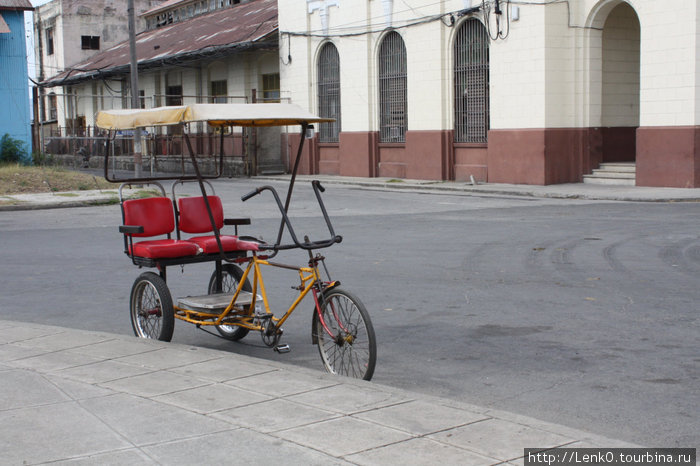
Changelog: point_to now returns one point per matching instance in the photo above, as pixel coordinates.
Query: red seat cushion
(165, 249)
(229, 243)
(194, 217)
(155, 214)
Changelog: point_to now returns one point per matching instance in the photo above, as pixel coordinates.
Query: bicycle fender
(314, 314)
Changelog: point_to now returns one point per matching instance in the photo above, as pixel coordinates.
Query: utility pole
(138, 158)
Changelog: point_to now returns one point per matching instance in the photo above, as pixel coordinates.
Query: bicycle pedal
(283, 348)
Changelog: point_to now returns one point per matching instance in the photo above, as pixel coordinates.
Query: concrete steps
(619, 173)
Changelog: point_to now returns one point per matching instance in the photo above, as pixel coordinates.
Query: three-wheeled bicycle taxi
(160, 232)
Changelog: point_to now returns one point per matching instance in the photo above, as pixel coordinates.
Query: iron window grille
(393, 103)
(329, 92)
(471, 81)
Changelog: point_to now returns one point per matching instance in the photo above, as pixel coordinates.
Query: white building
(522, 92)
(67, 32)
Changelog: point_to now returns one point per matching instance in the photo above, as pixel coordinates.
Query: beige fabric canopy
(139, 118)
(214, 114)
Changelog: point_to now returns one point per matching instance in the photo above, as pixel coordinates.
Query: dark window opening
(219, 91)
(53, 107)
(174, 95)
(49, 41)
(90, 42)
(271, 87)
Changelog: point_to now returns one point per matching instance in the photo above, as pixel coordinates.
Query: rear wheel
(152, 314)
(231, 276)
(347, 343)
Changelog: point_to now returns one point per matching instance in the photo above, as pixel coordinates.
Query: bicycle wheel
(231, 277)
(151, 308)
(350, 348)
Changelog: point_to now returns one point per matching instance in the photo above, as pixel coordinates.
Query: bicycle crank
(271, 334)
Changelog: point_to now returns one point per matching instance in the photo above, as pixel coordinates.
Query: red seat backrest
(155, 214)
(194, 217)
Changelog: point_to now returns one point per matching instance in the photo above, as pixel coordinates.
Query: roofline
(263, 43)
(16, 8)
(160, 8)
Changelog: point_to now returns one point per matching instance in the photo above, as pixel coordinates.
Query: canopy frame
(217, 115)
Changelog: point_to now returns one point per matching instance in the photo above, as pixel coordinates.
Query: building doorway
(619, 81)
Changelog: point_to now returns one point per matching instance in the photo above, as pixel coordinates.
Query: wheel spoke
(151, 308)
(230, 278)
(349, 349)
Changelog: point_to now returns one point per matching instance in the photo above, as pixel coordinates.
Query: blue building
(14, 79)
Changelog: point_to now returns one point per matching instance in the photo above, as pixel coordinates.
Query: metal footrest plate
(213, 303)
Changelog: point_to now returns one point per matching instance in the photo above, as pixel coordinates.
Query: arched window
(329, 92)
(471, 80)
(393, 106)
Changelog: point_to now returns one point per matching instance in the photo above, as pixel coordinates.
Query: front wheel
(231, 276)
(347, 342)
(152, 314)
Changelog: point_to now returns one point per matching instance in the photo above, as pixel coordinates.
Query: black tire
(151, 307)
(232, 275)
(351, 350)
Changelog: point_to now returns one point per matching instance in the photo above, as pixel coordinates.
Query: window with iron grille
(392, 89)
(329, 92)
(471, 81)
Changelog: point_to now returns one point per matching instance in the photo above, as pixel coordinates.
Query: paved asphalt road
(582, 313)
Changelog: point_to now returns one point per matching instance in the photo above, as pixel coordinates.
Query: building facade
(522, 92)
(14, 80)
(192, 52)
(67, 32)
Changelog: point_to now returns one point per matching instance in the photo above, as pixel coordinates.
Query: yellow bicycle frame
(243, 316)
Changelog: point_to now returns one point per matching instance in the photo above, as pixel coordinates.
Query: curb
(571, 191)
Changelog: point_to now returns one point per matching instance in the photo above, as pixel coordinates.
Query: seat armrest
(131, 229)
(236, 221)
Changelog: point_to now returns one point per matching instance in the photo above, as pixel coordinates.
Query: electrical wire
(500, 33)
(417, 22)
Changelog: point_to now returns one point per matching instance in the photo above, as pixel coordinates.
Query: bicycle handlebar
(253, 193)
(308, 245)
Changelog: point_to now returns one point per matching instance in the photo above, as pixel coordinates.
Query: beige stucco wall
(242, 73)
(548, 72)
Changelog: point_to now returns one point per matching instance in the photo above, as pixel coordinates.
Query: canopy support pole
(199, 177)
(304, 126)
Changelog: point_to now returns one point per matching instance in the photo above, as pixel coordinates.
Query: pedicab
(160, 232)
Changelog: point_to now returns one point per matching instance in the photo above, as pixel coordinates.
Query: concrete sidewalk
(80, 397)
(35, 201)
(558, 191)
